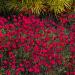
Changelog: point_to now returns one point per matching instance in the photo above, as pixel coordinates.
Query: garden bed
(29, 45)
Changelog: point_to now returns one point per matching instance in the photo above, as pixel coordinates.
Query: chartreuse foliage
(36, 6)
(59, 5)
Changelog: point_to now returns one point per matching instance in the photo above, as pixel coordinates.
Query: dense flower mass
(30, 46)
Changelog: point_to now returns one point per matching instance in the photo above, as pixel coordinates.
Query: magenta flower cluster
(30, 44)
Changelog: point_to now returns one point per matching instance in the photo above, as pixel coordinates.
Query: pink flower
(1, 56)
(8, 72)
(18, 70)
(42, 41)
(1, 22)
(13, 66)
(30, 70)
(1, 35)
(52, 62)
(59, 62)
(36, 48)
(63, 20)
(36, 68)
(21, 65)
(41, 24)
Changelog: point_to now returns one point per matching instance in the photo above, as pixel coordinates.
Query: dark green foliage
(3, 8)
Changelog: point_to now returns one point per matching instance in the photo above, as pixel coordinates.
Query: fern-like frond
(59, 6)
(74, 5)
(3, 8)
(37, 6)
(26, 5)
(19, 5)
(11, 4)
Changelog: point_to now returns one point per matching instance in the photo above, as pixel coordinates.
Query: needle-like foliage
(37, 6)
(59, 6)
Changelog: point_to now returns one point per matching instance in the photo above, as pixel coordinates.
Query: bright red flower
(38, 42)
(7, 72)
(1, 34)
(1, 56)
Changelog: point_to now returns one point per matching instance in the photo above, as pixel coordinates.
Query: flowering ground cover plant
(30, 46)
